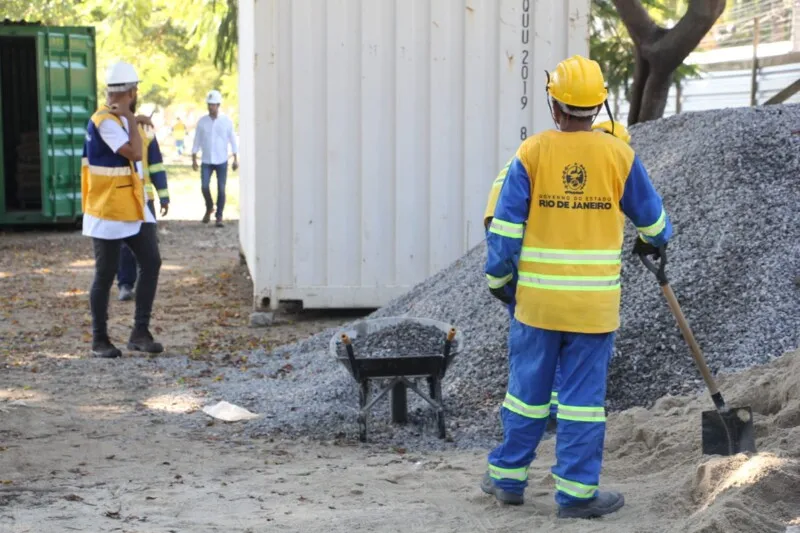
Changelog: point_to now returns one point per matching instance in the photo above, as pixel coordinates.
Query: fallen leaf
(112, 514)
(6, 481)
(73, 498)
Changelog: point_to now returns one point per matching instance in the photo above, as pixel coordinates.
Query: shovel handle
(686, 331)
(697, 354)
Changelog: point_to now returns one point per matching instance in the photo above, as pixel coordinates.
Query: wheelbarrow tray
(389, 367)
(400, 370)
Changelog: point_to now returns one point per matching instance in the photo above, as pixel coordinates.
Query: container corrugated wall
(373, 129)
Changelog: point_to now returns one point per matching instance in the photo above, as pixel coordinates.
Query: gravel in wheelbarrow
(405, 339)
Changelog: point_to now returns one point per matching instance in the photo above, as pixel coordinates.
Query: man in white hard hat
(114, 211)
(212, 135)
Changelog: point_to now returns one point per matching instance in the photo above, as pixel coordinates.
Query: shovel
(728, 430)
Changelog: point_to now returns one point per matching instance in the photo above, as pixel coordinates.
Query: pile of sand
(660, 449)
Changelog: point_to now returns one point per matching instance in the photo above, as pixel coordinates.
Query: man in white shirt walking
(212, 135)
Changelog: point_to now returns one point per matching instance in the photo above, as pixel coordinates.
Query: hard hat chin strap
(610, 116)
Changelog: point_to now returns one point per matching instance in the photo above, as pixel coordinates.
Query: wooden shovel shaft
(689, 337)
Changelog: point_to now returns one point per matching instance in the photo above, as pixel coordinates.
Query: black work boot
(207, 216)
(219, 223)
(503, 496)
(102, 347)
(605, 503)
(142, 341)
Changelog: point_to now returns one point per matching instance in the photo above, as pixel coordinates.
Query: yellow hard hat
(578, 82)
(620, 131)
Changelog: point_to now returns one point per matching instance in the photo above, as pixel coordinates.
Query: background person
(213, 134)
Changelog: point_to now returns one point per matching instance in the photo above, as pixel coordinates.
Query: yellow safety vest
(570, 263)
(110, 186)
(494, 194)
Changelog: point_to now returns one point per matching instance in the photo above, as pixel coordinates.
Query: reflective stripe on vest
(569, 283)
(581, 414)
(575, 489)
(109, 171)
(507, 229)
(571, 257)
(517, 474)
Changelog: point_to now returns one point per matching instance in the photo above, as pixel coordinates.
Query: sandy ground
(90, 445)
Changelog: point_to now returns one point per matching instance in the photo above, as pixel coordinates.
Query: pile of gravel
(729, 182)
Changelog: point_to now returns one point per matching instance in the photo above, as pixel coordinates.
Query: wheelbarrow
(402, 371)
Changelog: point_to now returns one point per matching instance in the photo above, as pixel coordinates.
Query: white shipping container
(372, 131)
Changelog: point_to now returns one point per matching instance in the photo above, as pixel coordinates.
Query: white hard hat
(121, 77)
(214, 97)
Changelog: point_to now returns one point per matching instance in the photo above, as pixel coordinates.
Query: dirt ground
(91, 445)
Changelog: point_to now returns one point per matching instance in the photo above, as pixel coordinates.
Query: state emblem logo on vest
(574, 177)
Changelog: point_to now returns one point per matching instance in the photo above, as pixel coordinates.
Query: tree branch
(668, 52)
(636, 19)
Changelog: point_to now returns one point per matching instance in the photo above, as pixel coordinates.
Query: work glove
(643, 247)
(501, 293)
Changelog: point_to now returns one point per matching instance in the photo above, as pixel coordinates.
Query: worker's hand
(195, 167)
(502, 294)
(164, 209)
(235, 165)
(122, 107)
(144, 120)
(645, 248)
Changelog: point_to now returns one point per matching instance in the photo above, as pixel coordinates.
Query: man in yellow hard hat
(559, 223)
(507, 290)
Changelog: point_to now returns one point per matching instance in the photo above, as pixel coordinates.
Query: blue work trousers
(533, 357)
(205, 185)
(556, 380)
(126, 272)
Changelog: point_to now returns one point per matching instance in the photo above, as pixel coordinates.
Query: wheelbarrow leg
(363, 400)
(436, 395)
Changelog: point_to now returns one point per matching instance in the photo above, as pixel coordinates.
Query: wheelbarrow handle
(657, 269)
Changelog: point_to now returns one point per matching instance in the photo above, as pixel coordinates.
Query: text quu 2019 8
(524, 69)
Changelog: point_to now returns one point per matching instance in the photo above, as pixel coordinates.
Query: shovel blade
(728, 432)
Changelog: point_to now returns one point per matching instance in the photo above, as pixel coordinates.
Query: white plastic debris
(228, 412)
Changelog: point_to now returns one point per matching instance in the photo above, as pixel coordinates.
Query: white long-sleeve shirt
(212, 137)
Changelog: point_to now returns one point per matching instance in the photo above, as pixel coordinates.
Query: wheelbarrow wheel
(399, 403)
(362, 428)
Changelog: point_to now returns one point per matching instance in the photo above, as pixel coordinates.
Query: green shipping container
(48, 91)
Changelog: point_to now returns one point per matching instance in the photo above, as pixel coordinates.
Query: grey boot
(503, 496)
(125, 293)
(605, 503)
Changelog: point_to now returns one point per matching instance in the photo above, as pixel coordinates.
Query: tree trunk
(660, 51)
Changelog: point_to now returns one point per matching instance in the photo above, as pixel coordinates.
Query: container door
(67, 99)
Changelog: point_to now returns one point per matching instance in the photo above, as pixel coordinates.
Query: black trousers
(106, 256)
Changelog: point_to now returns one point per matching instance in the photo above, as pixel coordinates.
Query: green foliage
(172, 43)
(612, 47)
